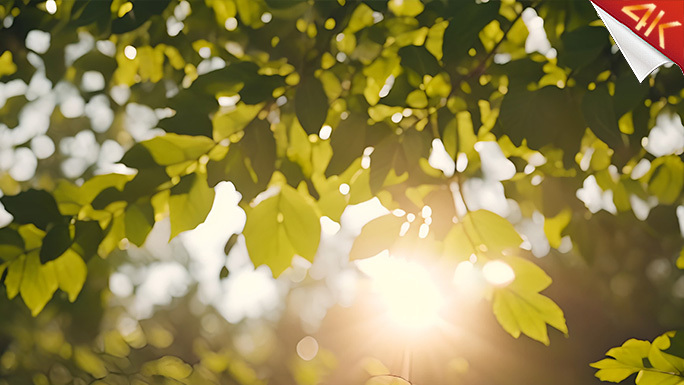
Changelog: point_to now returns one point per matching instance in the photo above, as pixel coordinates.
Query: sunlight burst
(409, 294)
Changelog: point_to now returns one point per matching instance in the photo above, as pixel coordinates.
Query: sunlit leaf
(38, 283)
(280, 227)
(189, 203)
(377, 235)
(71, 271)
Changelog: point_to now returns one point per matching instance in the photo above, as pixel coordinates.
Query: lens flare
(408, 293)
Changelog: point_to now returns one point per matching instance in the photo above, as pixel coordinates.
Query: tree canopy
(504, 142)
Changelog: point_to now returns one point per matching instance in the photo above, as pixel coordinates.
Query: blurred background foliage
(196, 191)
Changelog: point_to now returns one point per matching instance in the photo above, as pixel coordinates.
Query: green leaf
(228, 123)
(386, 156)
(259, 143)
(646, 377)
(145, 184)
(250, 163)
(71, 272)
(519, 307)
(32, 206)
(113, 234)
(87, 239)
(139, 220)
(657, 363)
(625, 361)
(489, 229)
(527, 312)
(598, 112)
(377, 235)
(628, 93)
(528, 277)
(236, 167)
(280, 227)
(167, 150)
(115, 344)
(547, 115)
(663, 361)
(11, 244)
(311, 104)
(469, 19)
(457, 244)
(419, 59)
(409, 8)
(106, 197)
(89, 362)
(168, 366)
(613, 371)
(400, 154)
(553, 227)
(190, 202)
(142, 11)
(15, 272)
(38, 283)
(666, 178)
(348, 140)
(7, 66)
(57, 240)
(582, 46)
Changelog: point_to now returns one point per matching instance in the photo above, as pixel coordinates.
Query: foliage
(308, 108)
(657, 362)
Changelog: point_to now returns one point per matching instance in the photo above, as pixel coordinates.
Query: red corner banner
(659, 22)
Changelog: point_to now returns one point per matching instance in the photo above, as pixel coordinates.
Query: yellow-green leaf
(489, 229)
(38, 283)
(15, 271)
(280, 227)
(553, 227)
(189, 203)
(115, 345)
(527, 312)
(377, 235)
(71, 273)
(7, 66)
(89, 362)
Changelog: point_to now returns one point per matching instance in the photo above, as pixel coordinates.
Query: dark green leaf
(11, 244)
(87, 238)
(419, 59)
(597, 109)
(469, 17)
(348, 141)
(57, 240)
(547, 115)
(311, 104)
(582, 46)
(32, 206)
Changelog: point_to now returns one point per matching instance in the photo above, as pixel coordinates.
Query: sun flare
(410, 298)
